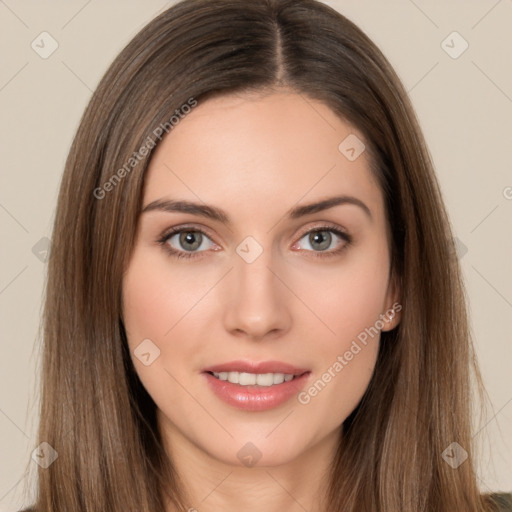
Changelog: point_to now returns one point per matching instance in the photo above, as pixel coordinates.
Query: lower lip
(256, 398)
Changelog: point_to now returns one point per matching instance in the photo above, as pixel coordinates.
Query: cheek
(145, 296)
(154, 306)
(156, 298)
(164, 303)
(347, 298)
(344, 361)
(348, 302)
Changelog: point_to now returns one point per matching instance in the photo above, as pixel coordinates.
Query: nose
(258, 306)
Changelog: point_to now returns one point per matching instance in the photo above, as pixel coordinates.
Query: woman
(253, 301)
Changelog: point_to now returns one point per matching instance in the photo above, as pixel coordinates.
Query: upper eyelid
(168, 233)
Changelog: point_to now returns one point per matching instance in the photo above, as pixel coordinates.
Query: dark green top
(503, 501)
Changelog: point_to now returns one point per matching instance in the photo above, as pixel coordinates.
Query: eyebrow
(217, 214)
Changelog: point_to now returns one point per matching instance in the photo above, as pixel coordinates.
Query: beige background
(464, 105)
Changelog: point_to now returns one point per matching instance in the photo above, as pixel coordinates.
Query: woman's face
(256, 288)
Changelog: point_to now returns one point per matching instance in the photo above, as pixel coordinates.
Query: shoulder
(503, 501)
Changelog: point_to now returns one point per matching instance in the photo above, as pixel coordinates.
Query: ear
(391, 316)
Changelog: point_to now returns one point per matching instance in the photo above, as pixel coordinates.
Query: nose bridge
(255, 280)
(257, 304)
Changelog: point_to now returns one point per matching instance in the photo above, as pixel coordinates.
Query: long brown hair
(94, 410)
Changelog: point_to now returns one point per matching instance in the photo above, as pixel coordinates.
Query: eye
(185, 242)
(324, 241)
(190, 242)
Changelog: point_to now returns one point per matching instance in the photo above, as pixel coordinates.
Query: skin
(256, 156)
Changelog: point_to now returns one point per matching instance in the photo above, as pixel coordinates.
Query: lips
(256, 398)
(253, 367)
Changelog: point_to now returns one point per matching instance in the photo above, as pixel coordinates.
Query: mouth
(256, 386)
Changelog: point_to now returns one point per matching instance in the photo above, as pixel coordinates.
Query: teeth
(251, 379)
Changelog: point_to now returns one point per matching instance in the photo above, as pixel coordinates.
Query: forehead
(254, 150)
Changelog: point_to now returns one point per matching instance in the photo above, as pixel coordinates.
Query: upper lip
(253, 367)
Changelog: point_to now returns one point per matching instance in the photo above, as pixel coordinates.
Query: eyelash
(189, 255)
